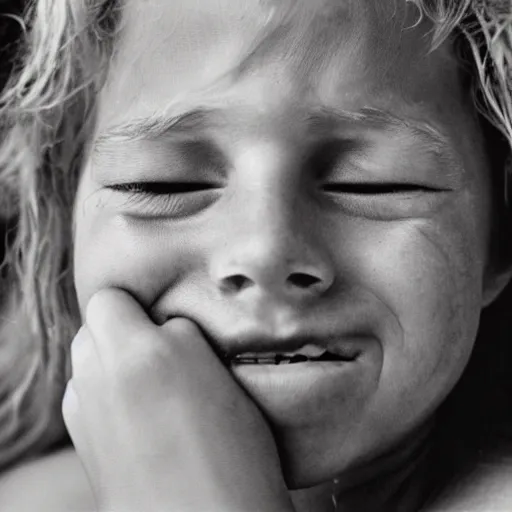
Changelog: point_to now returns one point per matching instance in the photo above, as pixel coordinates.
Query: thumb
(114, 314)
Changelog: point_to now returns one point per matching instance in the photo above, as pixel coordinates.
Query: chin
(311, 461)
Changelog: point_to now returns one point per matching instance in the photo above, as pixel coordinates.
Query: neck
(395, 481)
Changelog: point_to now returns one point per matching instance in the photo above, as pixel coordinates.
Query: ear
(494, 283)
(498, 272)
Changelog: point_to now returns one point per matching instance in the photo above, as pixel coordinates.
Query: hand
(159, 423)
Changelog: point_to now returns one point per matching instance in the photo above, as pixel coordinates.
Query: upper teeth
(306, 350)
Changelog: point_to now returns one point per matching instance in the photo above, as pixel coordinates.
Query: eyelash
(381, 201)
(378, 188)
(161, 187)
(157, 198)
(168, 188)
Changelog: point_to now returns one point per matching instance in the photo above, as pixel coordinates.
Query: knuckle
(82, 349)
(79, 340)
(95, 306)
(98, 305)
(185, 338)
(69, 404)
(182, 328)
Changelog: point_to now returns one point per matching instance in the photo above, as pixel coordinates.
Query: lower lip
(291, 393)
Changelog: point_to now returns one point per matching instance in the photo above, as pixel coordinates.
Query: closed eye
(378, 188)
(162, 188)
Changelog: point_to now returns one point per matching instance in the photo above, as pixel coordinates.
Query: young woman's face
(326, 186)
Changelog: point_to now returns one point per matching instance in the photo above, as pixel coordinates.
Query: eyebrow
(376, 118)
(320, 119)
(158, 125)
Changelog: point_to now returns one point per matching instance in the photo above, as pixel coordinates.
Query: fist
(158, 421)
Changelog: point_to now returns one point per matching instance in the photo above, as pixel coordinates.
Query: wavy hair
(48, 110)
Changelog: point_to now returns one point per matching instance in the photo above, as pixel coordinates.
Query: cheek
(114, 251)
(429, 275)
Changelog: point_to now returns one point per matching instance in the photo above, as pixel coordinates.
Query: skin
(403, 276)
(129, 390)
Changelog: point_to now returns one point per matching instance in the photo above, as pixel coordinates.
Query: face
(304, 173)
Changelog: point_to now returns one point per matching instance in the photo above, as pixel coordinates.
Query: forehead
(273, 53)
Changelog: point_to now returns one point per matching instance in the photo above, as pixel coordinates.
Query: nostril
(237, 282)
(303, 280)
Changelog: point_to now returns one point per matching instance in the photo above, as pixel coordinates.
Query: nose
(271, 267)
(269, 248)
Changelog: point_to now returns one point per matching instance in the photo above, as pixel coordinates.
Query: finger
(76, 424)
(187, 339)
(87, 369)
(83, 351)
(184, 332)
(116, 320)
(70, 407)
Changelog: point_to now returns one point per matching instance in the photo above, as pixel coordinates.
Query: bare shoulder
(54, 483)
(487, 489)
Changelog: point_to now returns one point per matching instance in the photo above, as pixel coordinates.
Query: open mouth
(290, 358)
